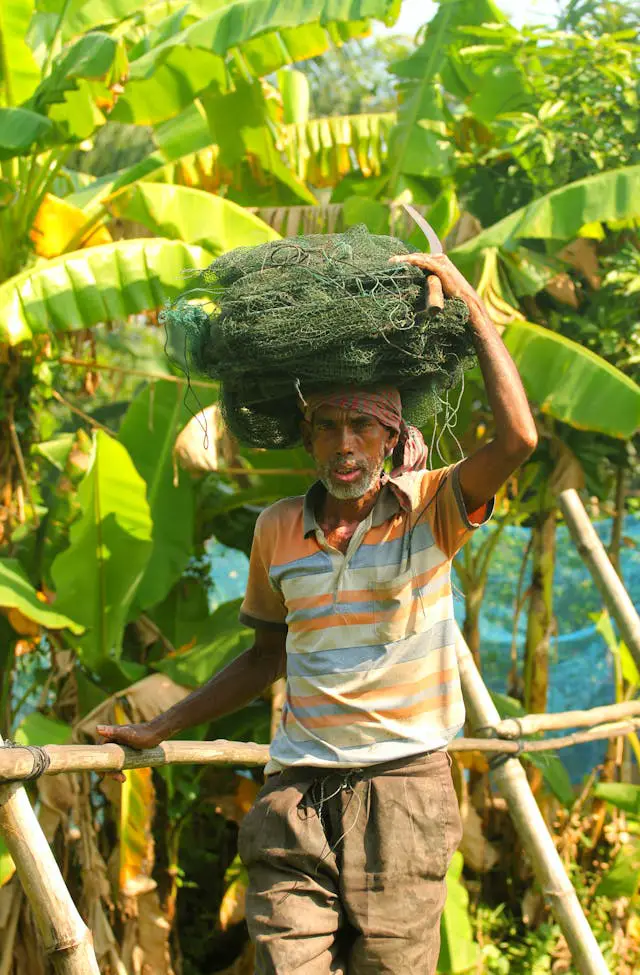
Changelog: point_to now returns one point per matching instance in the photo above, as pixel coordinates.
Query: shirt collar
(396, 494)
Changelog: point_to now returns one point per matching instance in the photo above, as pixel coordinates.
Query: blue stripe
(340, 660)
(337, 609)
(316, 564)
(393, 552)
(357, 707)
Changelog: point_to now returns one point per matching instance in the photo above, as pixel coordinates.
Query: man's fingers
(419, 260)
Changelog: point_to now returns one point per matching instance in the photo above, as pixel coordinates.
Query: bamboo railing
(67, 941)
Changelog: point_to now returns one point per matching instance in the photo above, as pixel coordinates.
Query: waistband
(416, 765)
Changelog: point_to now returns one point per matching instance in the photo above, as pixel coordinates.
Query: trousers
(347, 867)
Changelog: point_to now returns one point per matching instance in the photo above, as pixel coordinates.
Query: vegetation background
(138, 142)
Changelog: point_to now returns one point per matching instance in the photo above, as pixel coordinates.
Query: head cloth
(383, 403)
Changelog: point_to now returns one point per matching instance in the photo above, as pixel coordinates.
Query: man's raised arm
(485, 471)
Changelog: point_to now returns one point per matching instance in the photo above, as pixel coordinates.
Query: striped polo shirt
(372, 674)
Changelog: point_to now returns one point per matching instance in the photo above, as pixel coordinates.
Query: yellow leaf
(57, 222)
(232, 908)
(137, 802)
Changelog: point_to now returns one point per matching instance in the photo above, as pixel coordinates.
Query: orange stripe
(360, 595)
(408, 688)
(367, 619)
(411, 710)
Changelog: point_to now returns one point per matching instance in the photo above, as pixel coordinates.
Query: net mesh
(323, 310)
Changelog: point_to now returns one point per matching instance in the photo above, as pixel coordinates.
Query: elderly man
(349, 595)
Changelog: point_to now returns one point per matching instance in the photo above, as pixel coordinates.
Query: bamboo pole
(17, 763)
(66, 939)
(511, 780)
(532, 724)
(604, 575)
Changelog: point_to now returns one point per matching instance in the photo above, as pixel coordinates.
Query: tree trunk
(540, 619)
(618, 520)
(471, 625)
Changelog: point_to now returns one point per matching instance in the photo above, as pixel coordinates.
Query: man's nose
(345, 440)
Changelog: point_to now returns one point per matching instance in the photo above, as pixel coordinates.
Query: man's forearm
(515, 428)
(238, 684)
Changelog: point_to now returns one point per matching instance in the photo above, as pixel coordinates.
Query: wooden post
(511, 780)
(66, 939)
(602, 571)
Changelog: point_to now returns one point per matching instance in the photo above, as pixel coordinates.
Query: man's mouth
(346, 474)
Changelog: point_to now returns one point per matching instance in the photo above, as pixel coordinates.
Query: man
(349, 594)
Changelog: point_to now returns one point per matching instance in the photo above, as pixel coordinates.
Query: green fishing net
(278, 320)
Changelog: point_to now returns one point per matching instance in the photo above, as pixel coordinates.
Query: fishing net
(275, 321)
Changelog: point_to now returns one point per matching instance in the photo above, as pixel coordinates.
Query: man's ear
(392, 441)
(305, 430)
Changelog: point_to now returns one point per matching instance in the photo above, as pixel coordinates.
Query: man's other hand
(138, 736)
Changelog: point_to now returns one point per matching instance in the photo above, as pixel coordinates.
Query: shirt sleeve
(263, 605)
(452, 524)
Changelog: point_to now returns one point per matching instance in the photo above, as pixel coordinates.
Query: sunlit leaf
(458, 949)
(194, 216)
(38, 729)
(19, 72)
(572, 383)
(55, 225)
(94, 285)
(17, 592)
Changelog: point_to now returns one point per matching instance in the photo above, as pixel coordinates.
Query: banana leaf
(94, 285)
(97, 575)
(572, 383)
(560, 215)
(193, 216)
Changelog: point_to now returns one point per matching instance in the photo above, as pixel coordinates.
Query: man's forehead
(328, 412)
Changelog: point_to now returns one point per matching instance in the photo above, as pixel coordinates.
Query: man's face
(349, 449)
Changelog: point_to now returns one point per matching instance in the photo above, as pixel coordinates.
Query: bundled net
(278, 320)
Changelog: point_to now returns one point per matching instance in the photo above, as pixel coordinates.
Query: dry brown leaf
(146, 699)
(476, 849)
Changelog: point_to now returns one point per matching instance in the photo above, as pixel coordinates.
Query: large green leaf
(194, 216)
(240, 126)
(561, 214)
(19, 72)
(94, 285)
(20, 129)
(216, 641)
(257, 36)
(622, 795)
(235, 24)
(420, 144)
(148, 432)
(97, 576)
(16, 592)
(572, 383)
(38, 729)
(623, 876)
(458, 950)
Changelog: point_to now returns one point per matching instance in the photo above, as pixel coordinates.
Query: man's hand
(454, 283)
(138, 736)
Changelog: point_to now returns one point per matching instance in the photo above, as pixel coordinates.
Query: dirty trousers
(347, 868)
